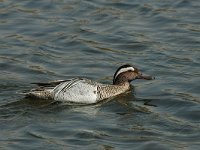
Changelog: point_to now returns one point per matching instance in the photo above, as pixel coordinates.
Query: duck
(83, 90)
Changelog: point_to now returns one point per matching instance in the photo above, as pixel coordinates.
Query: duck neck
(124, 84)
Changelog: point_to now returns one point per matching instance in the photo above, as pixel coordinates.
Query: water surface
(47, 40)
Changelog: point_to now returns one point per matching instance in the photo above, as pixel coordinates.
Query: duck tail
(40, 94)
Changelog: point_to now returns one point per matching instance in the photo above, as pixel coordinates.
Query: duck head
(128, 73)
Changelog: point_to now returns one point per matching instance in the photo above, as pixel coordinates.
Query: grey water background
(48, 40)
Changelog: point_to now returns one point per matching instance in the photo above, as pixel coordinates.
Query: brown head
(128, 73)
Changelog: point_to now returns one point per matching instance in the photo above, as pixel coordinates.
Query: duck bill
(145, 77)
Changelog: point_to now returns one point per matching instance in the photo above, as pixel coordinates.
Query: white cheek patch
(124, 70)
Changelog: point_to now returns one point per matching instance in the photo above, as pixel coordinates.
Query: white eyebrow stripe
(124, 70)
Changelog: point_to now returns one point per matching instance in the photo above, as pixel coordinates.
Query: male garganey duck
(81, 90)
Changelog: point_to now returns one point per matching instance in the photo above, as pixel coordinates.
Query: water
(47, 40)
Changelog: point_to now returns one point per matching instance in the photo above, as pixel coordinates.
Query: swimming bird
(82, 90)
